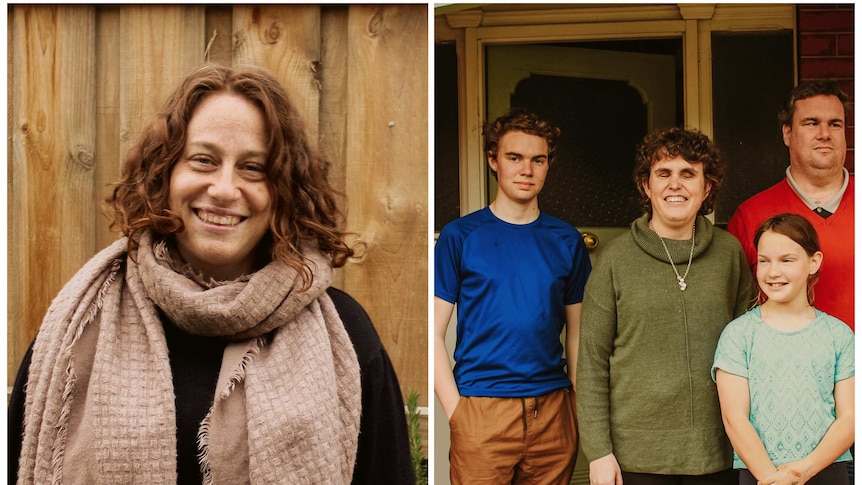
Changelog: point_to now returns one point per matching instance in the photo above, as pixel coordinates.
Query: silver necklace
(679, 279)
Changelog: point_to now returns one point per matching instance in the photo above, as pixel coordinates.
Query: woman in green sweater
(654, 308)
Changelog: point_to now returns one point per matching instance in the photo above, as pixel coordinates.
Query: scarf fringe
(59, 447)
(204, 430)
(242, 368)
(204, 448)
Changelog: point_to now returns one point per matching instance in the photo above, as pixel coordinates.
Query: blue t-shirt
(791, 379)
(511, 284)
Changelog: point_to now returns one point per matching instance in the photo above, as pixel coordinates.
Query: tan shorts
(514, 440)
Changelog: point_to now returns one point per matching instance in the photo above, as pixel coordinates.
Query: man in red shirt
(817, 186)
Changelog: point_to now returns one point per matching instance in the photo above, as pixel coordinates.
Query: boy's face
(521, 164)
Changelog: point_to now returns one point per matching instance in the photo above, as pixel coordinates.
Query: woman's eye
(254, 171)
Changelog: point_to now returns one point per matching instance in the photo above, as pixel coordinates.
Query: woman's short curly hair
(305, 205)
(692, 146)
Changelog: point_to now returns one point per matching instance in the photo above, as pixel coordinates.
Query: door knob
(591, 240)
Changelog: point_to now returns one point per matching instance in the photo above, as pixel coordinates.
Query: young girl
(784, 369)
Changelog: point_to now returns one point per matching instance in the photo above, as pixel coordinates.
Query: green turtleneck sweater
(644, 390)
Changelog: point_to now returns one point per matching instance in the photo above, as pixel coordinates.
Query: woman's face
(219, 187)
(676, 189)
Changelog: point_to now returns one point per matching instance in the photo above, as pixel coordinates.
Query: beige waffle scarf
(100, 403)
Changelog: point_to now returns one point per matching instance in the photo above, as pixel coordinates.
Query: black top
(383, 456)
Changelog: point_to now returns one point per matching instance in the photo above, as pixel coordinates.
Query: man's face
(816, 137)
(521, 164)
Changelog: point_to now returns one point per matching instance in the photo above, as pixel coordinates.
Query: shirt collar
(830, 205)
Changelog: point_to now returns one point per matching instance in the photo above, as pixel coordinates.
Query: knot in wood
(84, 157)
(375, 23)
(272, 33)
(360, 250)
(314, 67)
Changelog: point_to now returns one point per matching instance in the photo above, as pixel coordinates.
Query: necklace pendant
(682, 285)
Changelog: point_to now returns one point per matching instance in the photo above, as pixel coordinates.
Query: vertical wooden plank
(333, 99)
(285, 40)
(161, 44)
(219, 34)
(387, 179)
(108, 157)
(14, 317)
(52, 178)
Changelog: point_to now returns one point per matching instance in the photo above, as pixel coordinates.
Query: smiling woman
(654, 307)
(206, 345)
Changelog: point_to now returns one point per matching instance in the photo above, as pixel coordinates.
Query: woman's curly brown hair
(693, 146)
(305, 208)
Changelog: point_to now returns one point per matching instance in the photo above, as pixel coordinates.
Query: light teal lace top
(791, 379)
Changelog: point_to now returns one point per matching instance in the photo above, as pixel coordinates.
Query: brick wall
(826, 52)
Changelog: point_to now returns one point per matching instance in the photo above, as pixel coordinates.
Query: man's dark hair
(807, 90)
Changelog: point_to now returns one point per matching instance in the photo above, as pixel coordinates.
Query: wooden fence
(84, 80)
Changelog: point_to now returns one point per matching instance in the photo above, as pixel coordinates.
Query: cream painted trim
(444, 33)
(465, 19)
(725, 16)
(748, 18)
(704, 73)
(555, 14)
(691, 75)
(570, 32)
(474, 195)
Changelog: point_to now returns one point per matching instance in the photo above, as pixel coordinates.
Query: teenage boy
(517, 276)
